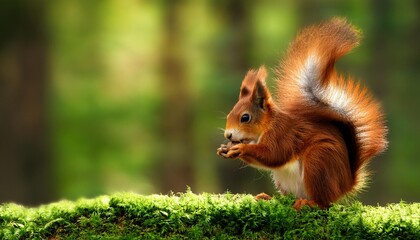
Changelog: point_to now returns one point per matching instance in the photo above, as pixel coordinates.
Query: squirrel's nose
(228, 135)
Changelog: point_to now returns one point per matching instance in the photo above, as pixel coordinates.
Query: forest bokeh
(104, 96)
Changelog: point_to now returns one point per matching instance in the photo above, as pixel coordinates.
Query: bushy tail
(307, 78)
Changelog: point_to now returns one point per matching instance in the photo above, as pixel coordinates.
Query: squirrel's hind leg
(299, 203)
(263, 196)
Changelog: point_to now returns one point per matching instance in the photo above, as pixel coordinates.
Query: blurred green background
(104, 96)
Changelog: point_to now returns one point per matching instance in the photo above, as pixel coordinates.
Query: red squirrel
(321, 129)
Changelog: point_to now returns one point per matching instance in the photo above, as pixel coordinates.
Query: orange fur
(321, 130)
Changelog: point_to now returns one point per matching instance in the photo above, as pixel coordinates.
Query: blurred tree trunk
(380, 37)
(176, 120)
(379, 45)
(25, 174)
(233, 176)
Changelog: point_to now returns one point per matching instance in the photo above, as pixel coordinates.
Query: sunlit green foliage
(190, 216)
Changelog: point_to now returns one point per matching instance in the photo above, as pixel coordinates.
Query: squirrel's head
(253, 111)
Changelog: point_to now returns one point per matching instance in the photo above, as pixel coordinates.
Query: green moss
(190, 216)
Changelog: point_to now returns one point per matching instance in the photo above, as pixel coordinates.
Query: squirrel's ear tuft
(260, 93)
(254, 83)
(262, 74)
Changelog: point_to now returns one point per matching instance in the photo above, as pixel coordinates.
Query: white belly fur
(289, 179)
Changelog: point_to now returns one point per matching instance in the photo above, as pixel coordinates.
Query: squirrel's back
(307, 80)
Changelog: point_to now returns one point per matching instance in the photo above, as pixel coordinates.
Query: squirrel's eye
(245, 118)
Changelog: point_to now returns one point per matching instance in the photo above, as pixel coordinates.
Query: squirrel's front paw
(222, 150)
(235, 151)
(230, 150)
